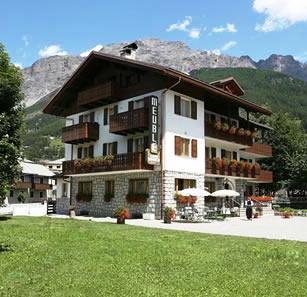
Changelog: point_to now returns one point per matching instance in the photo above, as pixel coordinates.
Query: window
(109, 186)
(213, 152)
(181, 184)
(85, 152)
(105, 116)
(58, 166)
(138, 186)
(85, 188)
(185, 147)
(139, 144)
(87, 118)
(31, 194)
(41, 194)
(41, 180)
(64, 189)
(109, 148)
(50, 166)
(207, 153)
(210, 186)
(139, 104)
(185, 107)
(235, 155)
(226, 154)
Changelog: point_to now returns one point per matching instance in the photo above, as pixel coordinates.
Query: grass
(53, 257)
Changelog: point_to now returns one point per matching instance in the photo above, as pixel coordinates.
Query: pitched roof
(28, 167)
(161, 70)
(231, 83)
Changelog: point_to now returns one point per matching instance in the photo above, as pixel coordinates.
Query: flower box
(83, 197)
(137, 197)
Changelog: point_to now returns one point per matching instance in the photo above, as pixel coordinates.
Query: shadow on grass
(4, 218)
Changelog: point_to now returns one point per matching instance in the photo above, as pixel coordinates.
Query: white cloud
(19, 65)
(97, 48)
(184, 26)
(224, 48)
(280, 14)
(230, 28)
(52, 50)
(302, 57)
(25, 39)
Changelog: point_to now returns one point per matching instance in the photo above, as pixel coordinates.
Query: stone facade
(99, 208)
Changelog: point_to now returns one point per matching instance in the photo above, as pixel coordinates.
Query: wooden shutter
(146, 140)
(177, 104)
(81, 118)
(104, 149)
(130, 145)
(92, 117)
(115, 110)
(105, 116)
(194, 110)
(130, 105)
(114, 148)
(194, 148)
(91, 151)
(79, 152)
(178, 145)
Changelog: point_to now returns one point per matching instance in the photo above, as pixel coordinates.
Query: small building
(34, 185)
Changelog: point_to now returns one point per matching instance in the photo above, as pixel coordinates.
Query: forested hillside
(279, 92)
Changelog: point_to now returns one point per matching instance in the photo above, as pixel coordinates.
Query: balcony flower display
(218, 125)
(241, 132)
(225, 127)
(232, 167)
(121, 214)
(254, 133)
(190, 200)
(248, 133)
(261, 198)
(257, 168)
(232, 130)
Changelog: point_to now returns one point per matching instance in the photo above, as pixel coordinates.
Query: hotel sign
(153, 118)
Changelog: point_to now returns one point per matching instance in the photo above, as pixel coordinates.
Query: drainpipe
(161, 139)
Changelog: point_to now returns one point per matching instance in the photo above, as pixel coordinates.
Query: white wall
(176, 125)
(59, 189)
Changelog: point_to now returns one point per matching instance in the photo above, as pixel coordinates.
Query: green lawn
(53, 257)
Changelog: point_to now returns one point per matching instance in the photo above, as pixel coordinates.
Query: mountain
(265, 87)
(47, 74)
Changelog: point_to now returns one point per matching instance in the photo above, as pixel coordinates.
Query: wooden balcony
(41, 187)
(261, 149)
(265, 176)
(23, 185)
(211, 131)
(120, 162)
(80, 133)
(93, 97)
(129, 122)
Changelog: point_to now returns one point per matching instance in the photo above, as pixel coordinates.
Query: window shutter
(178, 145)
(114, 148)
(177, 104)
(79, 152)
(115, 109)
(92, 117)
(130, 145)
(194, 110)
(80, 119)
(146, 139)
(130, 105)
(105, 116)
(194, 148)
(104, 149)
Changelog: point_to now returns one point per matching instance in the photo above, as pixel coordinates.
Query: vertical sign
(153, 118)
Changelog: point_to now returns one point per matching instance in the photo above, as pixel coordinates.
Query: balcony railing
(120, 162)
(260, 149)
(41, 187)
(23, 185)
(129, 122)
(80, 133)
(212, 131)
(238, 169)
(94, 96)
(265, 176)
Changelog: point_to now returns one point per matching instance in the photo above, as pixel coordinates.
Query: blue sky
(33, 29)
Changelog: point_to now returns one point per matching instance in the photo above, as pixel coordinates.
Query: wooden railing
(96, 94)
(41, 187)
(260, 149)
(79, 133)
(211, 131)
(265, 176)
(23, 185)
(130, 121)
(129, 161)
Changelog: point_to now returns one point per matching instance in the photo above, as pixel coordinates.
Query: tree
(11, 121)
(289, 145)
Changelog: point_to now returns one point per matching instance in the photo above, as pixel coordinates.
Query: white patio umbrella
(225, 193)
(194, 192)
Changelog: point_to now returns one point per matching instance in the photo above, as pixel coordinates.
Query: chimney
(129, 51)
